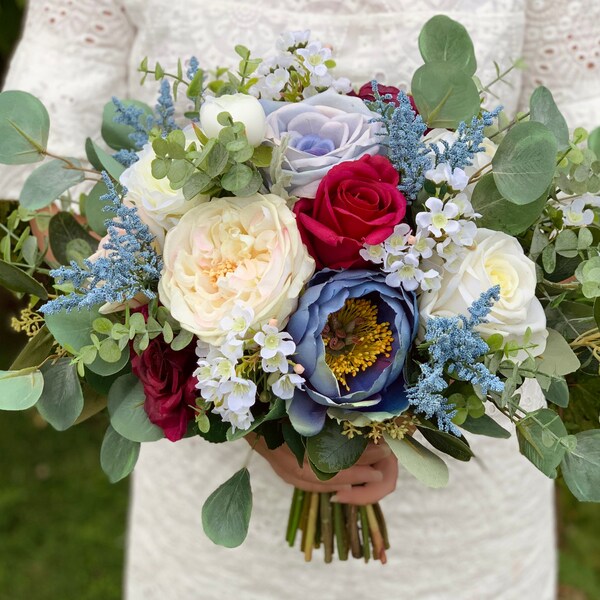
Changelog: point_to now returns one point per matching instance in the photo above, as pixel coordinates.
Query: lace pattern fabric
(490, 534)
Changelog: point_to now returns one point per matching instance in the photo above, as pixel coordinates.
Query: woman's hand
(368, 481)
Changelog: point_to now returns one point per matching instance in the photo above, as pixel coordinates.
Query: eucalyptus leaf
(20, 390)
(62, 230)
(331, 451)
(116, 135)
(24, 128)
(445, 95)
(537, 434)
(226, 512)
(543, 109)
(594, 142)
(61, 401)
(72, 330)
(109, 164)
(498, 213)
(13, 278)
(36, 350)
(443, 39)
(581, 466)
(105, 368)
(48, 182)
(420, 462)
(126, 408)
(447, 443)
(118, 455)
(485, 425)
(558, 358)
(524, 163)
(94, 209)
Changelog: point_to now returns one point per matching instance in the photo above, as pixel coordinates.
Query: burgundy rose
(366, 93)
(357, 203)
(169, 385)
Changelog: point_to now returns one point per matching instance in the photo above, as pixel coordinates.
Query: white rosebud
(242, 107)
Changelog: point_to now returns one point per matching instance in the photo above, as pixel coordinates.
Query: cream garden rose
(233, 251)
(496, 259)
(158, 205)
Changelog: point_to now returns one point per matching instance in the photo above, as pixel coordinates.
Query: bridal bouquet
(296, 261)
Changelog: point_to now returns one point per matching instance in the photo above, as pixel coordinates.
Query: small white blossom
(451, 252)
(405, 273)
(315, 56)
(222, 369)
(465, 208)
(277, 363)
(238, 393)
(457, 179)
(431, 280)
(373, 253)
(398, 241)
(285, 386)
(240, 319)
(465, 236)
(342, 85)
(422, 245)
(440, 219)
(272, 342)
(576, 215)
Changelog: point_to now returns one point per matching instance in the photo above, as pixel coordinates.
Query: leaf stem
(311, 526)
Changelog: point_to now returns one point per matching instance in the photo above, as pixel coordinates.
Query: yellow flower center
(215, 273)
(354, 340)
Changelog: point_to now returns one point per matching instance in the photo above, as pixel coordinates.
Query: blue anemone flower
(352, 334)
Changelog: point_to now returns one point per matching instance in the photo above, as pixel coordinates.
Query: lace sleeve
(73, 56)
(562, 51)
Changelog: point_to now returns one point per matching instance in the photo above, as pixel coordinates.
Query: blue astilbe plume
(193, 67)
(406, 149)
(131, 265)
(133, 116)
(468, 142)
(165, 109)
(126, 157)
(455, 348)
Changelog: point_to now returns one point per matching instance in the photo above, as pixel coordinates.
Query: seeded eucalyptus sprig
(216, 166)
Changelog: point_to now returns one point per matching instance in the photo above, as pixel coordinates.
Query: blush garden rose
(233, 250)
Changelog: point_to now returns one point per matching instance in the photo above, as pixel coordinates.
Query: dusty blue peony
(352, 335)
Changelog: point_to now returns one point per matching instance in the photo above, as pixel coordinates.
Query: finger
(374, 453)
(371, 493)
(357, 475)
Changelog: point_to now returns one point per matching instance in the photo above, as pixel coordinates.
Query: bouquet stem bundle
(349, 529)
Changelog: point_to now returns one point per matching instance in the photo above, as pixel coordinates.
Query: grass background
(62, 525)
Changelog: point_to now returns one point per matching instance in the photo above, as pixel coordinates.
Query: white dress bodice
(490, 534)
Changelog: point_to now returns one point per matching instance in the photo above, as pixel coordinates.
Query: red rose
(169, 385)
(366, 93)
(357, 203)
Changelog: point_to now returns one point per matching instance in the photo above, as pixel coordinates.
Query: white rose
(233, 252)
(243, 108)
(497, 259)
(158, 205)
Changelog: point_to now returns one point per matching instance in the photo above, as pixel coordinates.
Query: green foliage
(226, 512)
(17, 280)
(118, 455)
(69, 240)
(116, 135)
(21, 389)
(444, 95)
(420, 462)
(295, 442)
(499, 214)
(126, 409)
(558, 358)
(594, 142)
(524, 164)
(456, 447)
(276, 411)
(578, 171)
(49, 181)
(543, 439)
(61, 401)
(24, 128)
(581, 466)
(331, 451)
(94, 209)
(102, 160)
(543, 109)
(36, 350)
(443, 39)
(485, 425)
(223, 165)
(588, 274)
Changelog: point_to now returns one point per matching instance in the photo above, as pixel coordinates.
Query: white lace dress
(490, 534)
